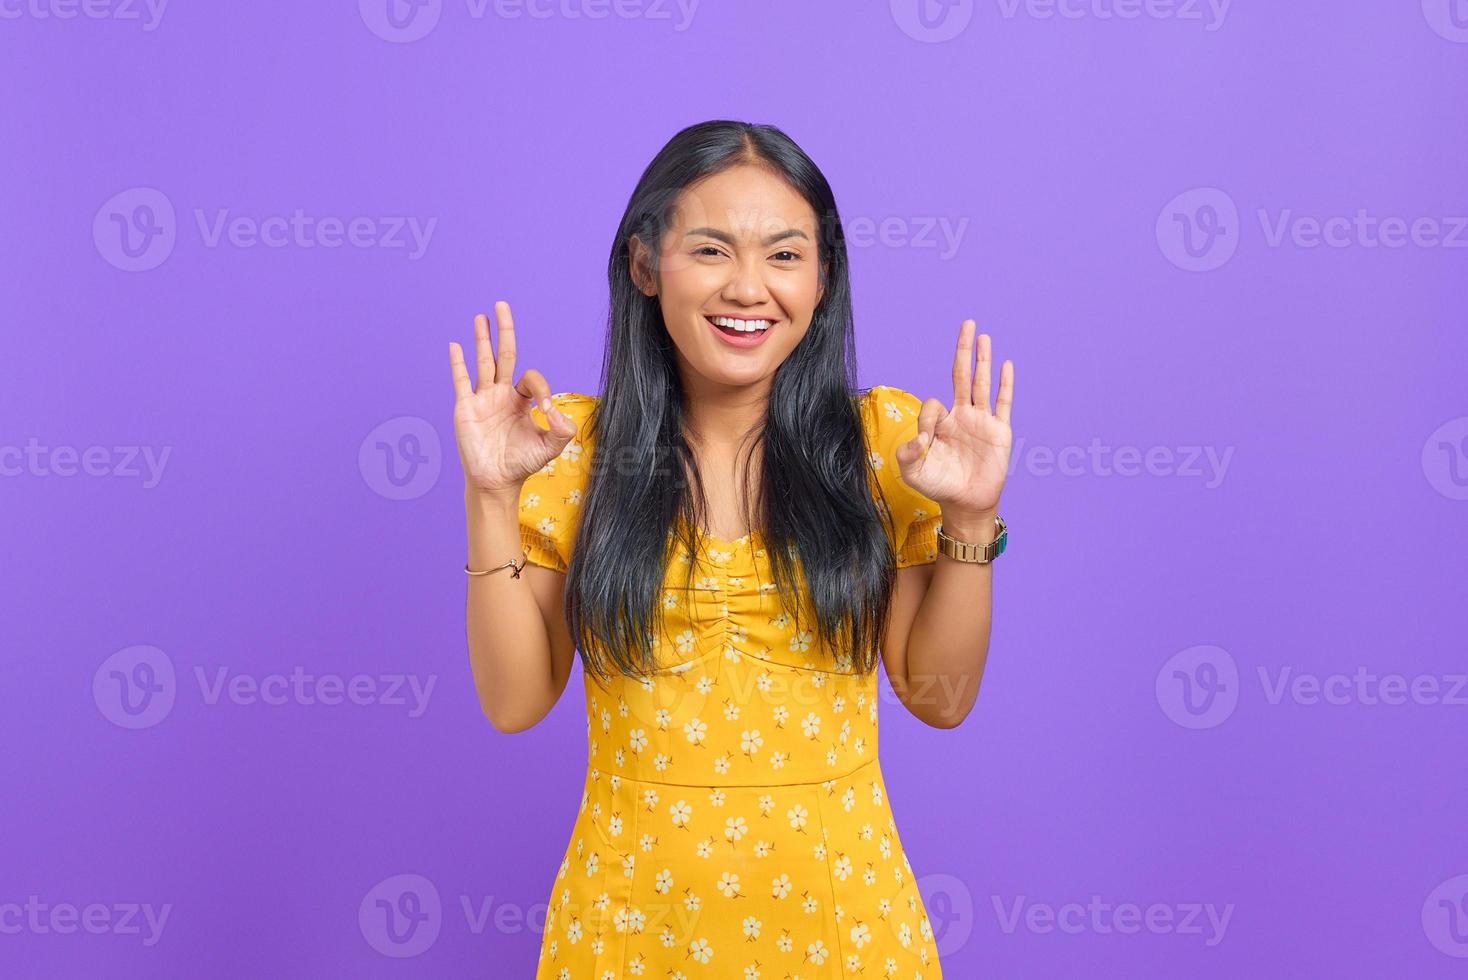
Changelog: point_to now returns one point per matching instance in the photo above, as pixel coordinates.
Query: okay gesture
(960, 455)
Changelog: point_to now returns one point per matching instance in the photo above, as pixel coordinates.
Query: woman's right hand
(500, 444)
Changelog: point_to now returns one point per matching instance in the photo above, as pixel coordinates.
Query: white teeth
(744, 326)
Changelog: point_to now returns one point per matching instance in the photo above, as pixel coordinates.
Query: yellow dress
(734, 822)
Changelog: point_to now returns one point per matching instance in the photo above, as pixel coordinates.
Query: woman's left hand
(960, 455)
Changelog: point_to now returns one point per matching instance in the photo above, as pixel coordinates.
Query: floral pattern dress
(734, 821)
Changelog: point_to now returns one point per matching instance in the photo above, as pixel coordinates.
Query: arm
(520, 648)
(937, 639)
(938, 631)
(519, 645)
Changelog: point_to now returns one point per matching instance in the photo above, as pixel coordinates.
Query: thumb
(562, 429)
(911, 451)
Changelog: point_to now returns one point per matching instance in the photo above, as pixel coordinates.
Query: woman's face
(741, 245)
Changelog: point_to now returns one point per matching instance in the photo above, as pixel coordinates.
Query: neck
(717, 417)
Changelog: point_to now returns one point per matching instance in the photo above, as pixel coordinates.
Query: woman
(732, 535)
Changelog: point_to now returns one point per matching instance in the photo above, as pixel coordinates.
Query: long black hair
(821, 527)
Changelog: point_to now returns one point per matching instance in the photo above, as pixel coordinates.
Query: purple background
(273, 540)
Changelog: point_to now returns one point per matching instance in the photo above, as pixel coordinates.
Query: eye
(707, 250)
(793, 256)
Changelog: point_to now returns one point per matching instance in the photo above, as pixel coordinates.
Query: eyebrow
(726, 238)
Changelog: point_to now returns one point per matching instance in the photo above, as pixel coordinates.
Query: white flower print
(695, 730)
(797, 815)
(547, 526)
(781, 886)
(816, 952)
(663, 881)
(701, 951)
(681, 813)
(752, 927)
(637, 739)
(750, 741)
(728, 884)
(684, 641)
(811, 725)
(801, 641)
(842, 868)
(735, 828)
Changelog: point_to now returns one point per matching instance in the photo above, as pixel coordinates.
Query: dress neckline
(749, 537)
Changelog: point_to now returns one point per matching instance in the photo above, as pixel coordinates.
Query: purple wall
(1223, 726)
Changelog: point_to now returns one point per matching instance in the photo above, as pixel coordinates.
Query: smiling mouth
(739, 327)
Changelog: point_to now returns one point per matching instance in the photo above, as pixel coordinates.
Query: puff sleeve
(891, 417)
(550, 499)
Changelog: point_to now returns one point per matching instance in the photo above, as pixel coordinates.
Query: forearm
(509, 644)
(949, 640)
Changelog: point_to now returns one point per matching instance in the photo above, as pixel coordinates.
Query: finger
(484, 354)
(932, 412)
(533, 387)
(505, 363)
(929, 415)
(462, 387)
(1006, 392)
(963, 359)
(981, 376)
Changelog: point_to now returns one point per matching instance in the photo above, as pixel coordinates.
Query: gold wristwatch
(977, 554)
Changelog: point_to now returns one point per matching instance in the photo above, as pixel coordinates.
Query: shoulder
(550, 499)
(888, 412)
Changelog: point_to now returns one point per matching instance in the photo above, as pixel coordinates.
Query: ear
(638, 267)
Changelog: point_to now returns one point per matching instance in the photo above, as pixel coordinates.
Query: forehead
(746, 201)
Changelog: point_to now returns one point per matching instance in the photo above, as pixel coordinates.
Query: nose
(746, 285)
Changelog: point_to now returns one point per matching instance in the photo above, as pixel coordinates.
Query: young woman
(733, 535)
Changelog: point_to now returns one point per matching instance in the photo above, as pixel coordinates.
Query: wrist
(973, 526)
(478, 499)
